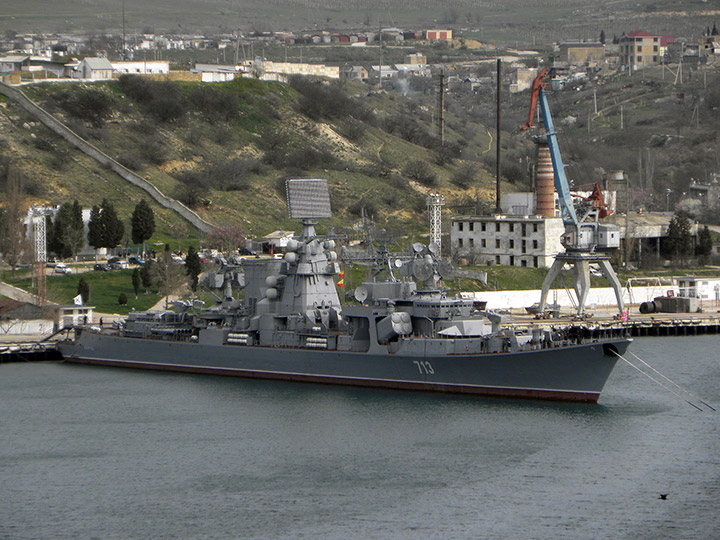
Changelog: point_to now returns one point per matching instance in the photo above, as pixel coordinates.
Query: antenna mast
(435, 202)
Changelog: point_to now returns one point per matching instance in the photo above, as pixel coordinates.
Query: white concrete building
(142, 67)
(531, 241)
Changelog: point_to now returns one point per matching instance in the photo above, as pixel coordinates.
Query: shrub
(325, 101)
(464, 175)
(122, 299)
(213, 103)
(87, 104)
(164, 100)
(420, 171)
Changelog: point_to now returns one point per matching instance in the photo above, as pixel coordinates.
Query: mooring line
(673, 382)
(656, 381)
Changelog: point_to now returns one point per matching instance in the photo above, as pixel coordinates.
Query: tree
(193, 267)
(167, 275)
(678, 242)
(105, 228)
(226, 239)
(12, 237)
(67, 235)
(146, 275)
(122, 299)
(142, 223)
(94, 228)
(705, 243)
(136, 281)
(602, 37)
(83, 289)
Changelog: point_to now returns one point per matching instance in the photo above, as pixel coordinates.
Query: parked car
(101, 267)
(136, 260)
(116, 263)
(62, 268)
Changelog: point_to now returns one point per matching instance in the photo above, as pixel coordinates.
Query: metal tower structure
(435, 202)
(38, 225)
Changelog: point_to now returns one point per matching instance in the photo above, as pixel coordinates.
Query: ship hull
(570, 373)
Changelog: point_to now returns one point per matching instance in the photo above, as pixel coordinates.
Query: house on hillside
(10, 64)
(640, 49)
(94, 69)
(581, 53)
(356, 73)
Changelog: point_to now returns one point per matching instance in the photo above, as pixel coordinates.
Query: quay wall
(600, 296)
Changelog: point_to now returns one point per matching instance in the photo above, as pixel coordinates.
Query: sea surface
(104, 453)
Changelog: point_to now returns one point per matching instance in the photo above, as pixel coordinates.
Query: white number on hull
(424, 367)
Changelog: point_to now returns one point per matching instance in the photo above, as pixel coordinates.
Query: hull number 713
(424, 367)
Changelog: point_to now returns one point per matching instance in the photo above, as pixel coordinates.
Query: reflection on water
(94, 452)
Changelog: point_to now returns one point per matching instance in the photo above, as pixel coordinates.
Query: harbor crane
(586, 240)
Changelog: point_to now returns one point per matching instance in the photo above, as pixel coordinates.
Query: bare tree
(13, 242)
(169, 276)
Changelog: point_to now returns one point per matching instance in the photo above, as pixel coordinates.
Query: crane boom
(567, 209)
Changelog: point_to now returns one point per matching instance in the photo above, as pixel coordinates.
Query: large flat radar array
(308, 198)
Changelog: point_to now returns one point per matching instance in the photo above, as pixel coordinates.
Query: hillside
(506, 22)
(225, 150)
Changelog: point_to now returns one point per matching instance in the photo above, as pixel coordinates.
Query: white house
(94, 69)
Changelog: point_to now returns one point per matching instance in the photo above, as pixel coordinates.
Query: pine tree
(714, 31)
(704, 246)
(142, 223)
(136, 281)
(110, 225)
(602, 37)
(193, 266)
(94, 228)
(146, 274)
(678, 243)
(83, 289)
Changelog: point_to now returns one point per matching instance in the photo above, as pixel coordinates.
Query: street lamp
(668, 191)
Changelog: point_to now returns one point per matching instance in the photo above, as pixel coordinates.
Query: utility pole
(123, 30)
(595, 99)
(497, 141)
(441, 105)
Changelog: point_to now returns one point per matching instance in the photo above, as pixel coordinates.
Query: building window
(512, 260)
(497, 227)
(639, 48)
(482, 227)
(497, 259)
(472, 242)
(471, 225)
(655, 48)
(523, 263)
(497, 243)
(524, 246)
(535, 244)
(511, 227)
(460, 242)
(639, 59)
(524, 230)
(655, 59)
(535, 262)
(535, 227)
(512, 244)
(482, 243)
(460, 226)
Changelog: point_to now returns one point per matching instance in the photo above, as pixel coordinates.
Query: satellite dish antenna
(397, 263)
(361, 294)
(418, 247)
(433, 248)
(422, 271)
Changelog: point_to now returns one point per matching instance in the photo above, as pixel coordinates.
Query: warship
(402, 332)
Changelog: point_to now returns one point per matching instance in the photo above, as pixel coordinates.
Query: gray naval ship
(291, 325)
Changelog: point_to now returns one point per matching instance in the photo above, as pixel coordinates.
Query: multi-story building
(641, 49)
(531, 241)
(581, 53)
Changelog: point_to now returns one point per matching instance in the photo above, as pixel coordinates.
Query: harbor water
(102, 453)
